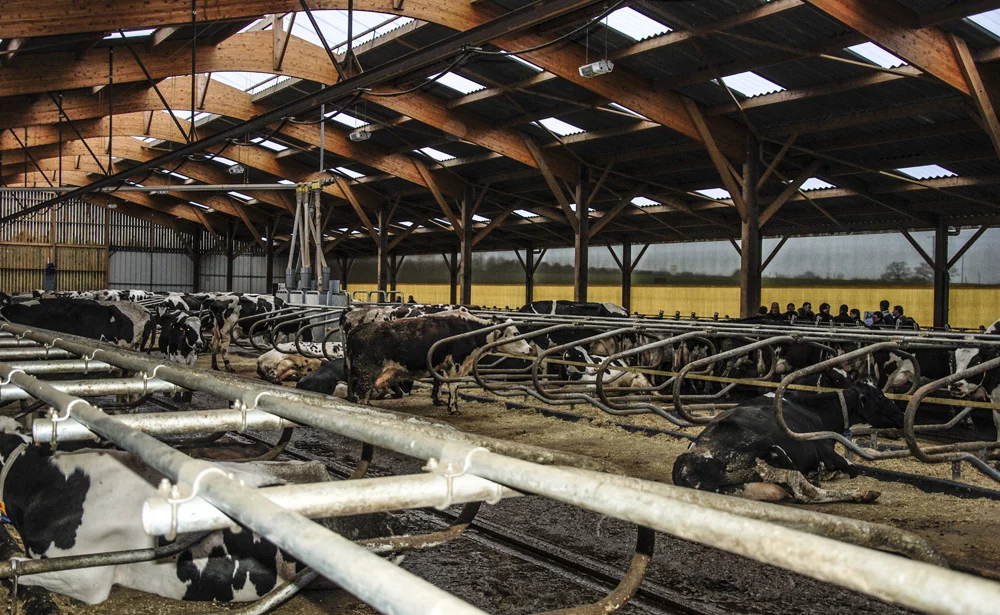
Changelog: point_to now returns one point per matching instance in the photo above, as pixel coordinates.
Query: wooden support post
(230, 235)
(453, 277)
(626, 267)
(269, 258)
(466, 237)
(581, 247)
(393, 270)
(196, 263)
(750, 265)
(942, 281)
(345, 270)
(383, 247)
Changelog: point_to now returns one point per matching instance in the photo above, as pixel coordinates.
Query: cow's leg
(760, 492)
(226, 340)
(453, 398)
(216, 334)
(804, 492)
(436, 393)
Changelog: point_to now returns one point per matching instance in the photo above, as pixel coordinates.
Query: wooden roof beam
(896, 28)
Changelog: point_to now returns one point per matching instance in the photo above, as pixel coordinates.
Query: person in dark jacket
(887, 318)
(824, 314)
(775, 312)
(790, 311)
(806, 312)
(844, 318)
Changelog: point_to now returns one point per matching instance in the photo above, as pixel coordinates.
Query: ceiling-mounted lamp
(359, 135)
(237, 169)
(596, 69)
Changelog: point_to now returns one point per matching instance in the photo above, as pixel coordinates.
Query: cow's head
(873, 407)
(574, 372)
(699, 469)
(188, 329)
(520, 347)
(971, 387)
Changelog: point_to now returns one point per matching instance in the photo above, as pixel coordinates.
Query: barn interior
(183, 147)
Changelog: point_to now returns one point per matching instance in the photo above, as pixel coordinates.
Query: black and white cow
(745, 452)
(573, 308)
(90, 501)
(76, 317)
(361, 314)
(621, 378)
(329, 379)
(381, 353)
(143, 322)
(180, 337)
(232, 315)
(984, 387)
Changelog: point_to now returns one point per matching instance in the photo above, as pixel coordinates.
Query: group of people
(879, 319)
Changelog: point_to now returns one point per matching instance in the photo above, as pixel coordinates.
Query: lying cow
(90, 501)
(579, 374)
(745, 452)
(381, 353)
(276, 366)
(574, 308)
(329, 379)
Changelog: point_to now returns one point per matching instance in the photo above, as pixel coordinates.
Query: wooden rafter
(438, 196)
(980, 96)
(552, 181)
(789, 191)
(718, 158)
(348, 191)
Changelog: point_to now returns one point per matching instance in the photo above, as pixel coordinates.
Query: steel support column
(465, 237)
(383, 247)
(626, 266)
(581, 246)
(942, 281)
(196, 263)
(230, 257)
(529, 274)
(269, 257)
(750, 245)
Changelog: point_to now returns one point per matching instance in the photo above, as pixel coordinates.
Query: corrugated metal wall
(150, 271)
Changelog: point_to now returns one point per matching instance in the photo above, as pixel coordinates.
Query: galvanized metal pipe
(95, 388)
(367, 576)
(164, 423)
(20, 354)
(10, 342)
(157, 189)
(332, 499)
(64, 366)
(888, 577)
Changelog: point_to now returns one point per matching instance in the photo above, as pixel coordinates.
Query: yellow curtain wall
(971, 306)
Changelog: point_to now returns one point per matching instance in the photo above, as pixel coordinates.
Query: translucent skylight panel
(405, 223)
(876, 55)
(642, 201)
(287, 182)
(223, 160)
(927, 171)
(178, 175)
(251, 25)
(185, 114)
(715, 193)
(349, 173)
(615, 105)
(442, 221)
(436, 154)
(459, 83)
(634, 24)
(268, 83)
(374, 32)
(478, 218)
(815, 183)
(346, 119)
(239, 195)
(751, 84)
(199, 205)
(524, 62)
(333, 25)
(241, 80)
(271, 145)
(560, 127)
(989, 21)
(524, 213)
(130, 33)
